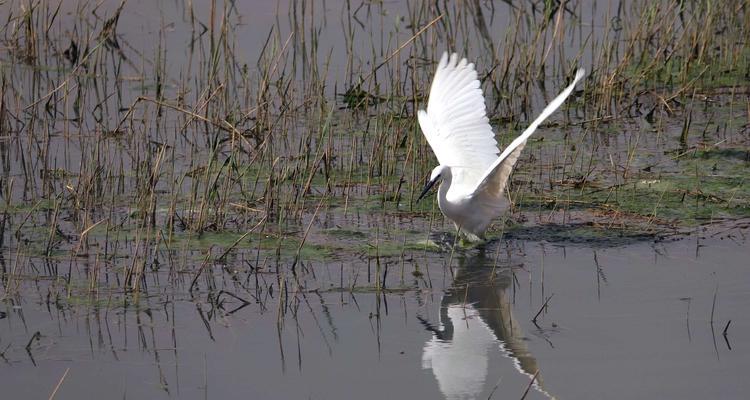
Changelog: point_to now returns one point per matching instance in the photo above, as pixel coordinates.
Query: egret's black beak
(427, 187)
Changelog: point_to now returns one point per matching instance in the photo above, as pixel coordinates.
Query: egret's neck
(445, 184)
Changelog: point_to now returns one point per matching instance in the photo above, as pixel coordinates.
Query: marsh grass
(129, 166)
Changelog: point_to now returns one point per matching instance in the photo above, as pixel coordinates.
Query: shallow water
(623, 322)
(148, 253)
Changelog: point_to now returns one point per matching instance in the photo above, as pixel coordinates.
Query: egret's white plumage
(458, 130)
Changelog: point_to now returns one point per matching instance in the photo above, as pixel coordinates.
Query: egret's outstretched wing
(496, 177)
(456, 124)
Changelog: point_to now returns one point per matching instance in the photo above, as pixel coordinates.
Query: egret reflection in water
(476, 319)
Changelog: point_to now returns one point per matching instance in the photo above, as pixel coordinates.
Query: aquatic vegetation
(219, 156)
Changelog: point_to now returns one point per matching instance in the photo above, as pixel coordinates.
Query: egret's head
(441, 171)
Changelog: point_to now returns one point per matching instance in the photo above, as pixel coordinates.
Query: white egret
(458, 130)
